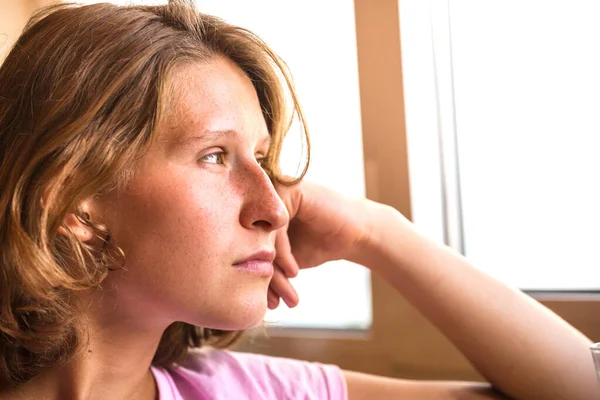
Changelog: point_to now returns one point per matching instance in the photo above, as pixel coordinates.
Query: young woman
(143, 225)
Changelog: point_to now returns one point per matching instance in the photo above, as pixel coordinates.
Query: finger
(272, 300)
(283, 288)
(285, 259)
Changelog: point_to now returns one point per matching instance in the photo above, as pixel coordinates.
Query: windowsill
(549, 295)
(311, 333)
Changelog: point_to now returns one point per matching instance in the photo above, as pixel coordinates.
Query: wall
(13, 17)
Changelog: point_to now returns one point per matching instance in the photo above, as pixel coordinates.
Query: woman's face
(197, 221)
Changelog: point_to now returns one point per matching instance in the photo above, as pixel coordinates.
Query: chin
(235, 316)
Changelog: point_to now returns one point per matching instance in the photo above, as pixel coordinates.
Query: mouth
(260, 263)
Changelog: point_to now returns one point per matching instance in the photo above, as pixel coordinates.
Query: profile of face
(197, 220)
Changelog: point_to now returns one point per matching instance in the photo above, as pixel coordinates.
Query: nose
(262, 207)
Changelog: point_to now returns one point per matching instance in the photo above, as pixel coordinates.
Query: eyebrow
(209, 135)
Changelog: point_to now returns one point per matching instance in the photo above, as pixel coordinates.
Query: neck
(113, 363)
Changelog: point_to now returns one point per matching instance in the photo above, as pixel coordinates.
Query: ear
(77, 227)
(73, 222)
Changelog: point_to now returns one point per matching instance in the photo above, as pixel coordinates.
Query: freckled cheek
(177, 204)
(195, 211)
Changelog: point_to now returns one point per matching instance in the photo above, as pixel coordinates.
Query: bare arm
(518, 345)
(370, 387)
(523, 349)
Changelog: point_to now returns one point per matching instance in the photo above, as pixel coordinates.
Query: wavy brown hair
(81, 93)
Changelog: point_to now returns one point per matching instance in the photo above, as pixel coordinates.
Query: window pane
(527, 98)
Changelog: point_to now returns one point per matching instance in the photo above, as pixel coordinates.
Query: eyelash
(221, 154)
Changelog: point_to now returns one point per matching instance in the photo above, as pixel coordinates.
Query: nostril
(263, 224)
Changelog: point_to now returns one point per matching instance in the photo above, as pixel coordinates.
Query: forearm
(522, 348)
(367, 387)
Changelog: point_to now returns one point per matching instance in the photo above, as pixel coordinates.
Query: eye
(214, 158)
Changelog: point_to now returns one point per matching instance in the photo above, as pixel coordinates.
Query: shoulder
(223, 374)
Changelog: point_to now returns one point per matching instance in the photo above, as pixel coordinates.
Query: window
(508, 93)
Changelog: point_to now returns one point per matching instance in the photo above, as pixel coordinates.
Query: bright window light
(516, 85)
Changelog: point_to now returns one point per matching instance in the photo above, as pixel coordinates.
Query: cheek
(176, 218)
(173, 237)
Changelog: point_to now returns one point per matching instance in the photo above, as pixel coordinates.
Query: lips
(260, 263)
(261, 255)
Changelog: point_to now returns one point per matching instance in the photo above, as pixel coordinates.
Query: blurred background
(477, 120)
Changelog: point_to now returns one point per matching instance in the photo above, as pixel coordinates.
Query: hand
(324, 226)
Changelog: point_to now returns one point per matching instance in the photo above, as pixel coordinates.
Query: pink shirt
(228, 375)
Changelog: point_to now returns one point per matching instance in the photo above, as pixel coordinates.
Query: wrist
(378, 232)
(391, 241)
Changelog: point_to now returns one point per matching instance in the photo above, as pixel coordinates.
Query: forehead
(214, 95)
